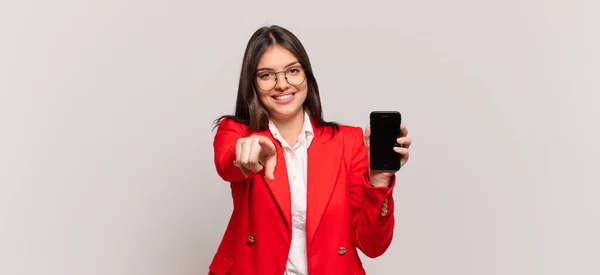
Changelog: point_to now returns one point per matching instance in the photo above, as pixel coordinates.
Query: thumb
(367, 138)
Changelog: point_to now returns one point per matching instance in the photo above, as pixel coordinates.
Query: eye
(294, 70)
(265, 75)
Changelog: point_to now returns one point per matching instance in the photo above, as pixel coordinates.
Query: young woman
(304, 198)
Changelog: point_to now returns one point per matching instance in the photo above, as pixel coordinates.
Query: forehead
(276, 57)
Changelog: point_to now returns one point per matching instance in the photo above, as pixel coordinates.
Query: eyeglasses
(267, 81)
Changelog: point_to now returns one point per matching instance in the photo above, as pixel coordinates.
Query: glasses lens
(295, 76)
(268, 80)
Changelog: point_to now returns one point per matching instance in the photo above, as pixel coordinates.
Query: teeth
(283, 97)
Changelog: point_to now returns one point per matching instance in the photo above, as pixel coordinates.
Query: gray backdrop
(106, 143)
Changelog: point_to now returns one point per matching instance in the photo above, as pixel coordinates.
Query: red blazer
(344, 212)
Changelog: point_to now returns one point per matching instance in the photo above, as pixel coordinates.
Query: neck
(290, 128)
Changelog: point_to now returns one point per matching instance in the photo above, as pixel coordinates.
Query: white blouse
(296, 163)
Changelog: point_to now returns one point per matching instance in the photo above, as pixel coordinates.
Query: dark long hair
(248, 108)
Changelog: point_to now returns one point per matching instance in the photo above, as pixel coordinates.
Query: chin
(285, 112)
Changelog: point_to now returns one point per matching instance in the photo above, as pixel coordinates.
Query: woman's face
(282, 98)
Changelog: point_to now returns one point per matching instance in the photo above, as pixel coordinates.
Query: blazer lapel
(280, 186)
(324, 157)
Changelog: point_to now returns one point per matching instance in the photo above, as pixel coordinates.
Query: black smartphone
(385, 130)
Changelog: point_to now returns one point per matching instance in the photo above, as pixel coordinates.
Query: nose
(281, 83)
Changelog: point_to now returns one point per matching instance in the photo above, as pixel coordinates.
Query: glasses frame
(284, 75)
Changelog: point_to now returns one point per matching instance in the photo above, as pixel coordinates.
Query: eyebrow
(270, 69)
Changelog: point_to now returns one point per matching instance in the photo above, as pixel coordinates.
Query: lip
(284, 101)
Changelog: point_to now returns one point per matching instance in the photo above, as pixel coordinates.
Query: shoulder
(351, 130)
(350, 138)
(229, 128)
(230, 123)
(343, 132)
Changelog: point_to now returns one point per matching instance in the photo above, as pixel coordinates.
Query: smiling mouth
(283, 97)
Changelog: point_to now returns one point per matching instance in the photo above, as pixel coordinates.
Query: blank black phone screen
(385, 130)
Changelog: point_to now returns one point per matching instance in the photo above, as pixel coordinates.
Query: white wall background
(106, 143)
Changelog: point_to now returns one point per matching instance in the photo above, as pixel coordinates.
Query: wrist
(379, 184)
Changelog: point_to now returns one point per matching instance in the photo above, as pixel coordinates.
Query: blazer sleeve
(372, 207)
(228, 132)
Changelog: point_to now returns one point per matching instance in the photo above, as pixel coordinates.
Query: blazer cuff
(378, 194)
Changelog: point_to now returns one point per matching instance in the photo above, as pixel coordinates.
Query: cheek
(263, 97)
(303, 96)
(304, 92)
